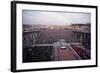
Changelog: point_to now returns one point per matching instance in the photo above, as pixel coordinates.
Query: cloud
(54, 18)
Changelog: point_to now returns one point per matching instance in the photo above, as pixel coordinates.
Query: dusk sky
(54, 18)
